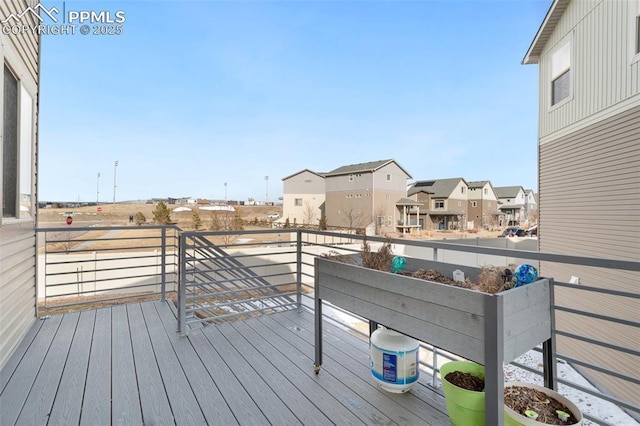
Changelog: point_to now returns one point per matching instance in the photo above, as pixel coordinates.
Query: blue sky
(195, 94)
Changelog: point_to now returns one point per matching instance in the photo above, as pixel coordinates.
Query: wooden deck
(126, 365)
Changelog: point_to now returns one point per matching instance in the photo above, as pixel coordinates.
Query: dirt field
(118, 214)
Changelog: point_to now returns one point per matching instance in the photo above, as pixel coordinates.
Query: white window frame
(351, 177)
(388, 177)
(561, 61)
(474, 204)
(295, 202)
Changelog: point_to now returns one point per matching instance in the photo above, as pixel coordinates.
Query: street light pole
(266, 198)
(98, 190)
(225, 192)
(115, 168)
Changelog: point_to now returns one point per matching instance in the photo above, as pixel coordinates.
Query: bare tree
(381, 212)
(309, 213)
(354, 219)
(226, 222)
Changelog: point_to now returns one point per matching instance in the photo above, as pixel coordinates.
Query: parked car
(513, 231)
(273, 216)
(533, 231)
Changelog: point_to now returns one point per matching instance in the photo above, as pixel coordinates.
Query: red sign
(69, 220)
(99, 209)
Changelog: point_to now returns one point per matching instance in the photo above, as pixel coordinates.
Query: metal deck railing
(223, 276)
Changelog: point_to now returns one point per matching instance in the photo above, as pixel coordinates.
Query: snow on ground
(589, 404)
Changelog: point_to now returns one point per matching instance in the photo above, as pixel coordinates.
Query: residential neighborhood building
(511, 203)
(483, 206)
(444, 202)
(530, 206)
(363, 195)
(588, 57)
(20, 55)
(303, 197)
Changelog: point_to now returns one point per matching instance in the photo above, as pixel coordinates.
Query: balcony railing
(221, 276)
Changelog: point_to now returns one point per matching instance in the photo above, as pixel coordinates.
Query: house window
(10, 145)
(561, 73)
(350, 178)
(474, 204)
(486, 191)
(388, 220)
(462, 189)
(298, 202)
(381, 220)
(638, 30)
(438, 204)
(388, 177)
(387, 197)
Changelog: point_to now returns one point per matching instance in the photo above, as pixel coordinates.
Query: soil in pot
(519, 399)
(465, 381)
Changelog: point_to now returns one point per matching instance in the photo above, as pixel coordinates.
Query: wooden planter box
(486, 328)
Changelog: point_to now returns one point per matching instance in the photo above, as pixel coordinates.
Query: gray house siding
(20, 54)
(355, 200)
(590, 205)
(603, 70)
(308, 188)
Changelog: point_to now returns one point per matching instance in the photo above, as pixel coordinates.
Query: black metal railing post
(163, 263)
(182, 282)
(299, 269)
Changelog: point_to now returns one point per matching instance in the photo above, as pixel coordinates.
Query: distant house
(483, 205)
(530, 206)
(303, 198)
(589, 167)
(511, 203)
(20, 55)
(444, 203)
(364, 195)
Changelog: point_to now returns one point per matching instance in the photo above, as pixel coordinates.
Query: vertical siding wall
(602, 66)
(17, 236)
(590, 206)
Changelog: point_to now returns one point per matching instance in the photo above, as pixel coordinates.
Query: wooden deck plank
(15, 393)
(96, 405)
(275, 350)
(289, 345)
(251, 372)
(43, 392)
(125, 404)
(14, 360)
(272, 407)
(68, 401)
(279, 381)
(153, 395)
(350, 345)
(184, 405)
(243, 407)
(357, 376)
(211, 401)
(354, 385)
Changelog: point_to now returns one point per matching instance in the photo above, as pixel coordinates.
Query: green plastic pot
(465, 407)
(513, 418)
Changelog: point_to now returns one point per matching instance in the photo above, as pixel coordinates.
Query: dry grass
(492, 279)
(66, 304)
(379, 260)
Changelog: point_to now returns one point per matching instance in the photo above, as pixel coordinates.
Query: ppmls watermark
(66, 22)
